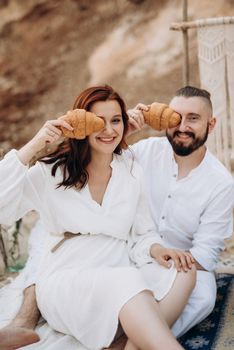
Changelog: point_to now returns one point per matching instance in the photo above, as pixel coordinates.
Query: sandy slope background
(52, 49)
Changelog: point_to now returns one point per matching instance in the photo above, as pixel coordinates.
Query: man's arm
(216, 224)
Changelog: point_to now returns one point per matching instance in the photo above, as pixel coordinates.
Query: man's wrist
(154, 249)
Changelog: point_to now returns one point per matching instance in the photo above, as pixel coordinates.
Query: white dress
(83, 285)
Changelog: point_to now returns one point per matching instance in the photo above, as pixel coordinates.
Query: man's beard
(182, 150)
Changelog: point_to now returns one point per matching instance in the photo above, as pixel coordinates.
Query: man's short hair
(192, 91)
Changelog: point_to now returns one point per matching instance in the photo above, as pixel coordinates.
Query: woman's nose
(108, 128)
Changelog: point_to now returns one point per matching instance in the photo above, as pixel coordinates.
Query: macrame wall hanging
(216, 64)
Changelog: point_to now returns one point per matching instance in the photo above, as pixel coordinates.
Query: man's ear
(212, 123)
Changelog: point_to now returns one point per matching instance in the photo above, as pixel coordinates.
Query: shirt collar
(200, 166)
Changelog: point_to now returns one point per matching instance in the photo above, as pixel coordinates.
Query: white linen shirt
(124, 213)
(193, 213)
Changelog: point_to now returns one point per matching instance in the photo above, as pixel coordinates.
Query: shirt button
(163, 217)
(161, 236)
(174, 175)
(169, 196)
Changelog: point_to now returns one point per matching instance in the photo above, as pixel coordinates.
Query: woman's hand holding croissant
(183, 259)
(50, 133)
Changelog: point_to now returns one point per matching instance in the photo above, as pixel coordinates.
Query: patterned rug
(216, 332)
(226, 264)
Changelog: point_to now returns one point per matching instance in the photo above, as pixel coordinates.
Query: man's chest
(179, 205)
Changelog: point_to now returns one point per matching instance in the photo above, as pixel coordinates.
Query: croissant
(83, 122)
(160, 116)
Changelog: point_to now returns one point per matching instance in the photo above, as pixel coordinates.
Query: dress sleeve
(21, 188)
(143, 232)
(36, 248)
(216, 225)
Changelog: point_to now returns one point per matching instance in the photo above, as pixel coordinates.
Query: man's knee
(200, 303)
(205, 292)
(207, 302)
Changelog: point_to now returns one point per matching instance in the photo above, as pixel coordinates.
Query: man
(190, 195)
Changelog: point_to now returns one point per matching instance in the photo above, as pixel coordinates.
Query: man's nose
(183, 126)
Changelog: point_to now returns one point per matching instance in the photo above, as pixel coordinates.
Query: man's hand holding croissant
(158, 116)
(136, 118)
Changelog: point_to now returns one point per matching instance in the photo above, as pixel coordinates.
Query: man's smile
(183, 135)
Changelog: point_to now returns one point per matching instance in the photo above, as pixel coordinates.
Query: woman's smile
(107, 140)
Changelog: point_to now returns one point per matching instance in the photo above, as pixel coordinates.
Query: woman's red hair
(73, 155)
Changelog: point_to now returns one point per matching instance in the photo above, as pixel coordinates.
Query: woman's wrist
(27, 152)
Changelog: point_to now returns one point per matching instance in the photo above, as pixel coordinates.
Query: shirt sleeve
(143, 233)
(21, 188)
(216, 225)
(139, 149)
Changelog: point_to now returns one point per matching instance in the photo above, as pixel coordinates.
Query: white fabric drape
(216, 64)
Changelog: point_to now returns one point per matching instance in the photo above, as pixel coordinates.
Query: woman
(93, 190)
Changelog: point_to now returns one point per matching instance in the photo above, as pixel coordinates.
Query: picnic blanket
(216, 332)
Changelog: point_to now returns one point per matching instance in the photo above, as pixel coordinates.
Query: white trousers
(200, 304)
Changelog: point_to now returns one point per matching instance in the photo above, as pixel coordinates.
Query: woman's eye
(116, 120)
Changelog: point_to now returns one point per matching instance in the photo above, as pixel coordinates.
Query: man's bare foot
(15, 337)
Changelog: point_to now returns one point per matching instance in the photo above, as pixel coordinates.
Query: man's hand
(183, 260)
(136, 118)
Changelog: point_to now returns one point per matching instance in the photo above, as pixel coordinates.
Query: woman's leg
(130, 346)
(144, 324)
(174, 302)
(20, 331)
